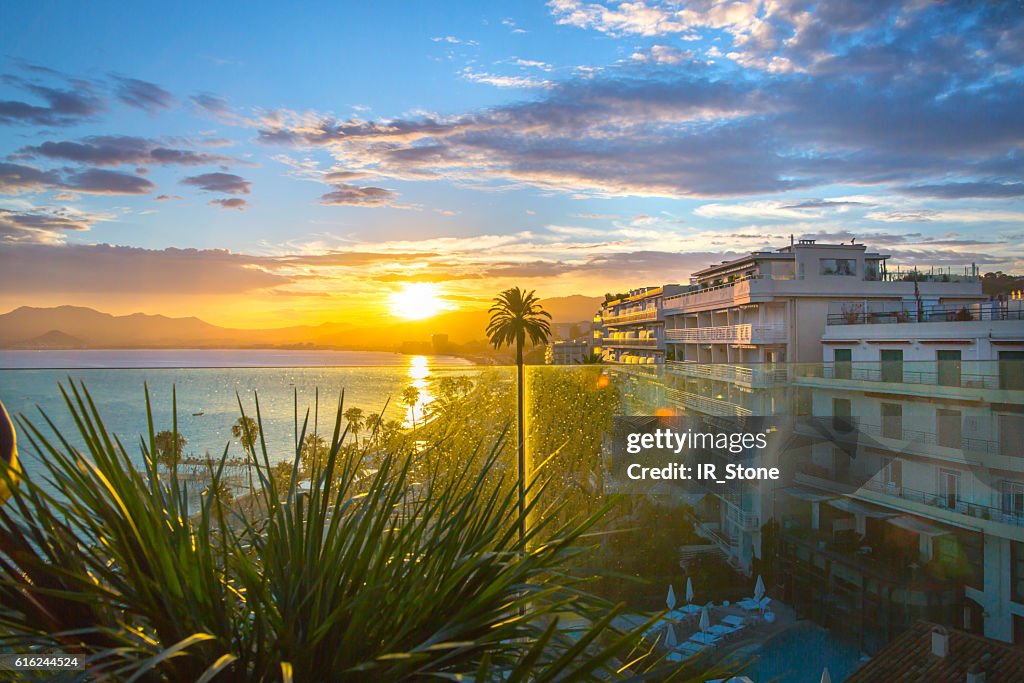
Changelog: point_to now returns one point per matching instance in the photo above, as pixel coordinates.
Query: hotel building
(914, 506)
(630, 329)
(733, 336)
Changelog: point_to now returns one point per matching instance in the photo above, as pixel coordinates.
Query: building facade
(629, 330)
(915, 509)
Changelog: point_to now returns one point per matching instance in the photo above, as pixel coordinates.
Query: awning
(917, 525)
(804, 494)
(853, 507)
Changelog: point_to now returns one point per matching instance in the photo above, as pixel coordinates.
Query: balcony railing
(963, 443)
(629, 342)
(729, 334)
(948, 503)
(969, 374)
(703, 404)
(625, 318)
(734, 374)
(931, 314)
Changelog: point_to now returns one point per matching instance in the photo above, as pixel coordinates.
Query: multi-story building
(913, 507)
(567, 352)
(771, 306)
(732, 337)
(630, 329)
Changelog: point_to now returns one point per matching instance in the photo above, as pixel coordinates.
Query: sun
(417, 301)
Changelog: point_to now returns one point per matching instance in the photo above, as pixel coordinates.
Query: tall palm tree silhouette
(516, 315)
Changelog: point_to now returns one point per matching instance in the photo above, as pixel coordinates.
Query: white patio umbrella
(689, 590)
(759, 588)
(670, 599)
(705, 620)
(825, 678)
(670, 637)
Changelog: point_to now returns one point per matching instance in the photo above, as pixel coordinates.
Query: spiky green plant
(385, 578)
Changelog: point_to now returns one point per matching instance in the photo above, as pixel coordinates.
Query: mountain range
(68, 327)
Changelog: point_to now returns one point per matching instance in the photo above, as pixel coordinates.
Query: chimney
(940, 642)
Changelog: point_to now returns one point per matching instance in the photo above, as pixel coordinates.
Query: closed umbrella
(689, 590)
(759, 588)
(825, 678)
(670, 637)
(705, 620)
(670, 600)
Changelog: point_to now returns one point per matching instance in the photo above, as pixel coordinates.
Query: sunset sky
(275, 165)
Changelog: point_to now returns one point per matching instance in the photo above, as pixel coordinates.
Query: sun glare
(416, 301)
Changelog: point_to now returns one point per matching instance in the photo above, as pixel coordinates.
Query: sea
(208, 385)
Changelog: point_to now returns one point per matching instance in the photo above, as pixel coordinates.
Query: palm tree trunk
(521, 429)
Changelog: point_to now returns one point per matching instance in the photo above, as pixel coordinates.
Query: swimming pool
(799, 654)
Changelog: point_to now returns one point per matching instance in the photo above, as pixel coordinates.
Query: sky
(261, 166)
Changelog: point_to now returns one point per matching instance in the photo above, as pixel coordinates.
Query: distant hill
(80, 327)
(54, 339)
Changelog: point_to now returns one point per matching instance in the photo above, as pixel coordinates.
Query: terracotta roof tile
(909, 658)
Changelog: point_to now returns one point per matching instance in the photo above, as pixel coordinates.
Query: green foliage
(515, 317)
(168, 446)
(391, 577)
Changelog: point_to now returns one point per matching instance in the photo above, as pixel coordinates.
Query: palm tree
(515, 316)
(410, 397)
(168, 447)
(245, 430)
(355, 421)
(372, 422)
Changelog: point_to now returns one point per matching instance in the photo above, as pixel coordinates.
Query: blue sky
(311, 160)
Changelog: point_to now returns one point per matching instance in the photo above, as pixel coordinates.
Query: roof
(910, 658)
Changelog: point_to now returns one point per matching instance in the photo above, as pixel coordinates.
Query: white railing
(626, 318)
(632, 342)
(729, 334)
(735, 374)
(703, 404)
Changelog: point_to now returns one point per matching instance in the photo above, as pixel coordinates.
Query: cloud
(100, 181)
(353, 195)
(230, 203)
(227, 183)
(964, 190)
(215, 106)
(114, 150)
(143, 95)
(104, 269)
(62, 106)
(17, 178)
(45, 225)
(663, 54)
(499, 81)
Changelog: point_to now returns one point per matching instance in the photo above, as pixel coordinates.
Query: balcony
(951, 509)
(703, 404)
(729, 334)
(628, 342)
(627, 318)
(734, 374)
(969, 445)
(955, 374)
(990, 310)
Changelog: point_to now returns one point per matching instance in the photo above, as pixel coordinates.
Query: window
(949, 428)
(1017, 570)
(949, 367)
(1011, 434)
(842, 415)
(838, 266)
(1011, 370)
(949, 488)
(892, 472)
(892, 421)
(892, 365)
(1013, 499)
(843, 367)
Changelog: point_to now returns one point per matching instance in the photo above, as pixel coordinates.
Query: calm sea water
(207, 382)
